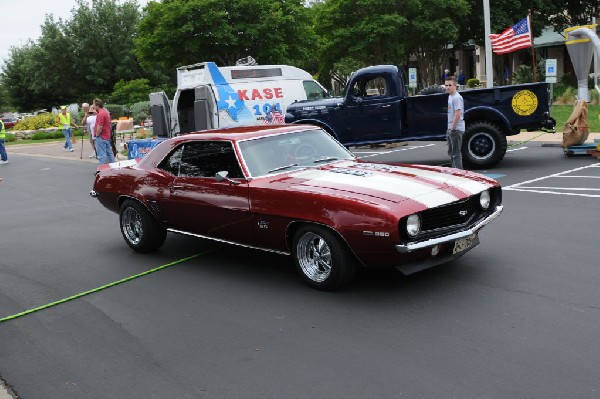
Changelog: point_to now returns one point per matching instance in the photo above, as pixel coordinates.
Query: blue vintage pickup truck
(377, 109)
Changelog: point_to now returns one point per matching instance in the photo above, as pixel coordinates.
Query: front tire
(483, 146)
(321, 257)
(139, 228)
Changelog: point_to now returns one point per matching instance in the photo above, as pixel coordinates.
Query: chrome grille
(452, 217)
(457, 213)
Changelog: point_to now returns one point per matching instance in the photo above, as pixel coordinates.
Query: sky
(22, 19)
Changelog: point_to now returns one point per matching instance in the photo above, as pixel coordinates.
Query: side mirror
(222, 176)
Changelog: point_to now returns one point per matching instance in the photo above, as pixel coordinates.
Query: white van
(210, 97)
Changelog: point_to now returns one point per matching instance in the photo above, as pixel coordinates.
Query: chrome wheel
(314, 257)
(132, 226)
(139, 228)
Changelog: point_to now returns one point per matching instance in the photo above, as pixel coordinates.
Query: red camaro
(294, 190)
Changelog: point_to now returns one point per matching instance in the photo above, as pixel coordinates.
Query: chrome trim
(228, 242)
(449, 238)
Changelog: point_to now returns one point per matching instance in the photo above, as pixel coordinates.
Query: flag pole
(533, 66)
(489, 71)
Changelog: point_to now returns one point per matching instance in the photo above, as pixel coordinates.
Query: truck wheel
(322, 258)
(483, 146)
(140, 230)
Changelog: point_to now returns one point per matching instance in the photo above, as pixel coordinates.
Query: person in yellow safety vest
(3, 156)
(65, 121)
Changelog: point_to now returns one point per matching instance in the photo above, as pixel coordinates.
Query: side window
(171, 164)
(358, 89)
(376, 87)
(313, 90)
(204, 159)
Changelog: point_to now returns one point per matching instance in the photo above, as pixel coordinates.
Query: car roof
(240, 133)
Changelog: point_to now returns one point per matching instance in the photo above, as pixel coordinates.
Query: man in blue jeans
(102, 133)
(456, 123)
(3, 156)
(66, 122)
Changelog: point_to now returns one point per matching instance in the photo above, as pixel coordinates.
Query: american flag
(514, 38)
(274, 118)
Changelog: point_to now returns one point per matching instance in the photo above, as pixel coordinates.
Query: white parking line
(517, 149)
(550, 190)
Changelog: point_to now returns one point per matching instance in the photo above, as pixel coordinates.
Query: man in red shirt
(102, 133)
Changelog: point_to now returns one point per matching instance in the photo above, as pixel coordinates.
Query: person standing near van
(64, 118)
(3, 156)
(102, 133)
(456, 123)
(90, 121)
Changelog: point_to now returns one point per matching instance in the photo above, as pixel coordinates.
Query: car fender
(488, 114)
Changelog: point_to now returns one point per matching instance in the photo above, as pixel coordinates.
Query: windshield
(310, 148)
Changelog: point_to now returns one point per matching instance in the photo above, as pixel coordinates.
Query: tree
(183, 32)
(76, 59)
(130, 92)
(364, 31)
(102, 38)
(19, 77)
(432, 31)
(386, 32)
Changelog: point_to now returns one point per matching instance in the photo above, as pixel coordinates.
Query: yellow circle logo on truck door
(524, 103)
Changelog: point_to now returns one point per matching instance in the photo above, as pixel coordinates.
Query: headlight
(413, 225)
(484, 200)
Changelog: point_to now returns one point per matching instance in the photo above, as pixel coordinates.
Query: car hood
(428, 185)
(314, 105)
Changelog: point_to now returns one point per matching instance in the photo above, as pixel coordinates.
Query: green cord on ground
(522, 142)
(51, 304)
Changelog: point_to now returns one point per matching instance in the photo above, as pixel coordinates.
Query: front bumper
(415, 246)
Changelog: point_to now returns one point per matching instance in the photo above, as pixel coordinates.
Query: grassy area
(562, 112)
(9, 143)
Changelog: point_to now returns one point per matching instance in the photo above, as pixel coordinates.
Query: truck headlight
(484, 199)
(413, 225)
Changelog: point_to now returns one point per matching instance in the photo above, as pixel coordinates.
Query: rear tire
(483, 146)
(321, 257)
(139, 228)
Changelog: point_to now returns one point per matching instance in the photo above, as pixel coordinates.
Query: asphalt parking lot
(81, 315)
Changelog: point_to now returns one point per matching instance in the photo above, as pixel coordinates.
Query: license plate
(462, 244)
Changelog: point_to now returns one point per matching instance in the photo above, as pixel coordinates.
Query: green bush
(567, 96)
(140, 111)
(471, 83)
(47, 135)
(41, 121)
(523, 74)
(9, 138)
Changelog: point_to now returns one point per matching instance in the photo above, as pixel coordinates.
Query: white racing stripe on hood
(403, 186)
(464, 183)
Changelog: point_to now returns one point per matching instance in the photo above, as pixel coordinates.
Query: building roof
(549, 38)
